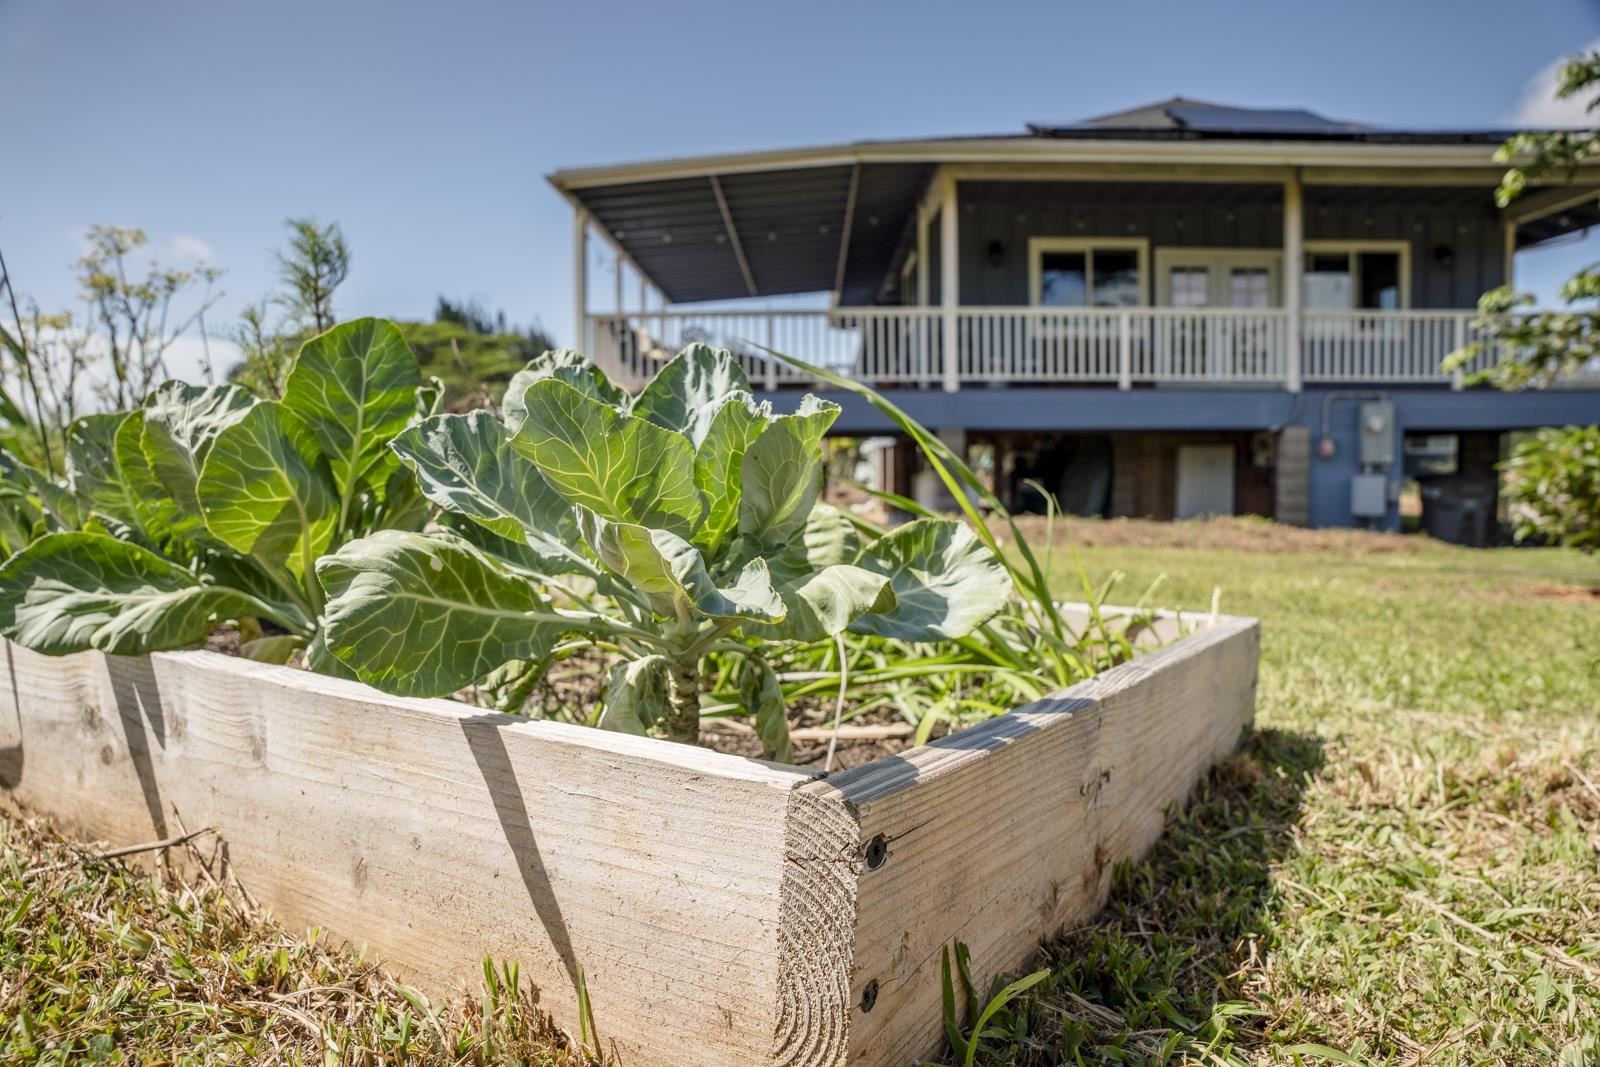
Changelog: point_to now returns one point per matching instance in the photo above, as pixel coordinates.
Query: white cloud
(186, 357)
(1538, 107)
(185, 246)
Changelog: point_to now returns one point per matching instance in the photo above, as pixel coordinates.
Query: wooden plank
(726, 911)
(1002, 834)
(435, 834)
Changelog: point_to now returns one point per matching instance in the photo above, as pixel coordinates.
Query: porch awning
(789, 225)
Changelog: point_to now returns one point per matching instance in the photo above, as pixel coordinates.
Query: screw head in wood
(869, 996)
(876, 851)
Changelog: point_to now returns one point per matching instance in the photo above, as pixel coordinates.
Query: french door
(1216, 344)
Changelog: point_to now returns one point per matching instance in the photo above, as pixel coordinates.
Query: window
(1075, 274)
(1191, 287)
(1064, 279)
(1249, 287)
(1368, 277)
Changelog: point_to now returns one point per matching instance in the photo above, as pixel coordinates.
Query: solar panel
(1262, 120)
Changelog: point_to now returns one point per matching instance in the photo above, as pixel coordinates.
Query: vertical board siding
(1197, 215)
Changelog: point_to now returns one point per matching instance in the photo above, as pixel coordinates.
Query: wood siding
(1217, 215)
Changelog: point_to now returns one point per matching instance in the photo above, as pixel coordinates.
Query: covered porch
(928, 347)
(956, 274)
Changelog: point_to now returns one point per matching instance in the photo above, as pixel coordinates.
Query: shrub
(1552, 487)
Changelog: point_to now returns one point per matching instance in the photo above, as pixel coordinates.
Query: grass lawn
(1403, 866)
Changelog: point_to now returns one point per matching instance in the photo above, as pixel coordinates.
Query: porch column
(1293, 263)
(1510, 239)
(949, 283)
(580, 278)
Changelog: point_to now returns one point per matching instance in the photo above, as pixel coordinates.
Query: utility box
(1369, 496)
(1377, 434)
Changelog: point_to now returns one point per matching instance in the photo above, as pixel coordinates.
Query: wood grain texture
(435, 835)
(1002, 834)
(726, 911)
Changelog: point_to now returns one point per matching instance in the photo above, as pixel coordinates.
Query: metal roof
(790, 215)
(789, 224)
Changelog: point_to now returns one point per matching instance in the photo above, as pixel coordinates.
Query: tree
(310, 269)
(473, 352)
(113, 354)
(314, 265)
(132, 313)
(1552, 481)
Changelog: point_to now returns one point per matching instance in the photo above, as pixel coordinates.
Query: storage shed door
(1205, 481)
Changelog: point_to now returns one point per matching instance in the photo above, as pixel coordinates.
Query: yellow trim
(1037, 246)
(1219, 255)
(1357, 245)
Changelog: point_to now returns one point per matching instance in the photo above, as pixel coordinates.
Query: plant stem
(682, 720)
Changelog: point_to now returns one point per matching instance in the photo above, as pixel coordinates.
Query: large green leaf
(671, 573)
(635, 695)
(162, 520)
(93, 472)
(719, 461)
(562, 365)
(69, 592)
(179, 424)
(264, 491)
(356, 387)
(946, 581)
(781, 477)
(623, 468)
(686, 392)
(22, 518)
(762, 697)
(424, 616)
(827, 601)
(463, 464)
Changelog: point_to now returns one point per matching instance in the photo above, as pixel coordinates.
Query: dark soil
(572, 687)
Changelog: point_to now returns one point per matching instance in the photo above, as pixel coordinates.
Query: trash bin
(1457, 514)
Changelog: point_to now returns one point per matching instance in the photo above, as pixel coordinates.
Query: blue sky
(426, 129)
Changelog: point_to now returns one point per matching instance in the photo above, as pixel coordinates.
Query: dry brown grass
(104, 962)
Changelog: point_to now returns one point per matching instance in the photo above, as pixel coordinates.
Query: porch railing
(1026, 345)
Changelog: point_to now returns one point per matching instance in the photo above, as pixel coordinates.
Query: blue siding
(1432, 410)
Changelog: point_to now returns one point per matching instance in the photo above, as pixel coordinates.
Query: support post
(1125, 350)
(1510, 238)
(924, 341)
(772, 362)
(580, 278)
(1293, 263)
(949, 282)
(1457, 379)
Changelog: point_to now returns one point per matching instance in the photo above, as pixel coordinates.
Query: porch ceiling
(789, 224)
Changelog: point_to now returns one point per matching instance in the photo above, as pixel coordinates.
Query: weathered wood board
(726, 911)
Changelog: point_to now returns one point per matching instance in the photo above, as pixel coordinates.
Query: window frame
(1213, 257)
(1038, 247)
(1352, 251)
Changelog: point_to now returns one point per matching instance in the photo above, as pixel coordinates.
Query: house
(1175, 310)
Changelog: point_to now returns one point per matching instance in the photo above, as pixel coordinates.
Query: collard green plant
(205, 504)
(681, 524)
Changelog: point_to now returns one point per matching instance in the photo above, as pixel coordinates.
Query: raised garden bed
(725, 911)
